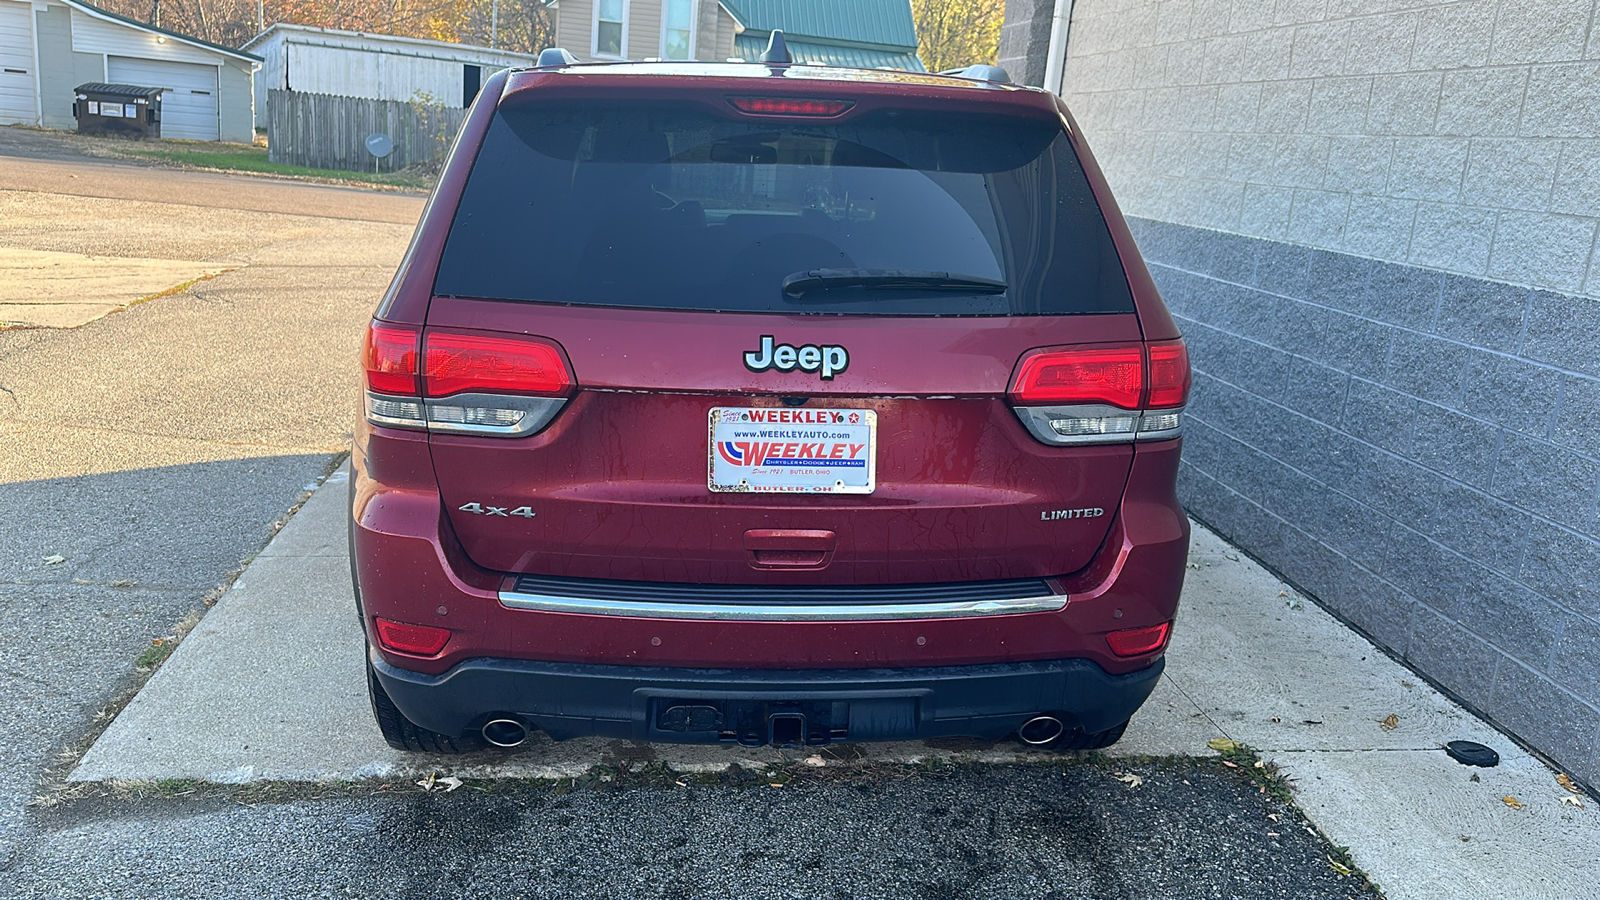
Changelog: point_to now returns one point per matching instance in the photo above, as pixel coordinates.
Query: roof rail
(993, 74)
(777, 52)
(556, 56)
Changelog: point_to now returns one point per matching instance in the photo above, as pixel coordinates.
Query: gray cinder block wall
(1025, 40)
(1376, 222)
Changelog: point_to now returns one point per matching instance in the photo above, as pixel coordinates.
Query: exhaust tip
(505, 732)
(1041, 730)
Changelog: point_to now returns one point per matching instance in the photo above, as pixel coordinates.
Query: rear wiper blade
(799, 283)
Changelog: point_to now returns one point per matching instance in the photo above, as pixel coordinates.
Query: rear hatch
(788, 338)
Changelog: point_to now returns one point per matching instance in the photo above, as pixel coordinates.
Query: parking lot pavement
(1250, 661)
(146, 455)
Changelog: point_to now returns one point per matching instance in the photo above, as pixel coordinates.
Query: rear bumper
(646, 703)
(410, 568)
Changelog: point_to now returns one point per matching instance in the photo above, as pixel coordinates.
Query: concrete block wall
(1025, 40)
(1376, 223)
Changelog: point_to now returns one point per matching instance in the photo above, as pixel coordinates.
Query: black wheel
(403, 734)
(1078, 739)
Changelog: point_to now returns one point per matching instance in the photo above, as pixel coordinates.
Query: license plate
(793, 451)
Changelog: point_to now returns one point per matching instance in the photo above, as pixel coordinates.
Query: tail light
(462, 381)
(1103, 394)
(791, 106)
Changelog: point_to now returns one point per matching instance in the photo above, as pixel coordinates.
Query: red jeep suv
(767, 403)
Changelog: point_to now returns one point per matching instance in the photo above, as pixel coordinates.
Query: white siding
(375, 76)
(91, 35)
(370, 66)
(270, 76)
(18, 78)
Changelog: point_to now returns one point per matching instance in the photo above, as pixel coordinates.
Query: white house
(373, 66)
(49, 47)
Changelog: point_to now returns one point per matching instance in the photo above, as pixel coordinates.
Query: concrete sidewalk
(270, 686)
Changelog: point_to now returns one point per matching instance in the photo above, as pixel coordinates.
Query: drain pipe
(1055, 66)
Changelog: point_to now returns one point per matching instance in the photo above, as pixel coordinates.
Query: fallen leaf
(1512, 802)
(1572, 800)
(1390, 723)
(1566, 781)
(1223, 745)
(1129, 779)
(450, 782)
(1231, 765)
(1337, 867)
(54, 559)
(816, 761)
(1231, 556)
(1272, 816)
(1261, 764)
(427, 783)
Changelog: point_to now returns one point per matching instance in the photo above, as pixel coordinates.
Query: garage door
(16, 64)
(189, 106)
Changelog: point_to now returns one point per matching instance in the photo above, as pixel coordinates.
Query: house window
(610, 17)
(677, 29)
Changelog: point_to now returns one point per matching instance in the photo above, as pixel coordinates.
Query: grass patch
(239, 158)
(154, 655)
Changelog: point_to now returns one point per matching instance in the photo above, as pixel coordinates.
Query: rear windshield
(890, 213)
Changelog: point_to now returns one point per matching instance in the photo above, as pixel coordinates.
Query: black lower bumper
(757, 706)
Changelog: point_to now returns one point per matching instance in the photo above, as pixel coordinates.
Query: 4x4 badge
(828, 359)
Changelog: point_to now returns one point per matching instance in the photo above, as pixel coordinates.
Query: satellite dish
(379, 144)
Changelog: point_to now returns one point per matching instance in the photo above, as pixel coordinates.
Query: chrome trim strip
(753, 612)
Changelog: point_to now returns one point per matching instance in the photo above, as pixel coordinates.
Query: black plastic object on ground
(1471, 753)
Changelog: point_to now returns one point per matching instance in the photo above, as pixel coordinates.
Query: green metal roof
(883, 22)
(749, 46)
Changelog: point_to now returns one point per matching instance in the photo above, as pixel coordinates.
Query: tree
(956, 33)
(523, 25)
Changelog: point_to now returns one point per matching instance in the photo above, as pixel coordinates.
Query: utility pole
(261, 16)
(494, 22)
(155, 14)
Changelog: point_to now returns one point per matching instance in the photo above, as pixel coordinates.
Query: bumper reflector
(1139, 641)
(416, 640)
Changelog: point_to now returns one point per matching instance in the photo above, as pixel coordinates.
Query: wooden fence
(330, 132)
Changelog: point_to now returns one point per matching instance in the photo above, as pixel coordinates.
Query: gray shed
(47, 47)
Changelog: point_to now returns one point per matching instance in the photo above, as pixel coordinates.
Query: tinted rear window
(672, 207)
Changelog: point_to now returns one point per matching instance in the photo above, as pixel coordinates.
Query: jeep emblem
(829, 359)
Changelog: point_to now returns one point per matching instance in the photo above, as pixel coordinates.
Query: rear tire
(403, 734)
(1077, 739)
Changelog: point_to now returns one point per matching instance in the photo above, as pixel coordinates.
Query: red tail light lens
(390, 358)
(1113, 375)
(1139, 641)
(787, 106)
(417, 640)
(1169, 374)
(457, 363)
